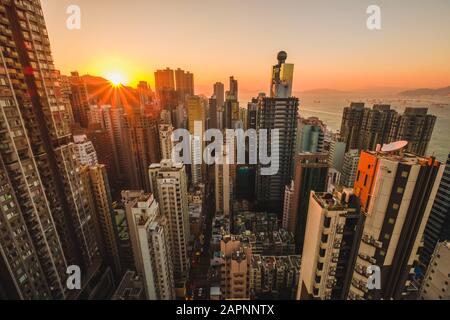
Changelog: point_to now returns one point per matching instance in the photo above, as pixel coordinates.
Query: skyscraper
(169, 183)
(79, 99)
(150, 239)
(145, 93)
(336, 154)
(38, 169)
(396, 193)
(234, 91)
(311, 170)
(184, 82)
(223, 185)
(352, 120)
(212, 113)
(95, 182)
(85, 151)
(164, 80)
(376, 126)
(334, 223)
(364, 128)
(278, 112)
(287, 204)
(438, 225)
(414, 126)
(196, 112)
(310, 135)
(219, 93)
(165, 141)
(349, 168)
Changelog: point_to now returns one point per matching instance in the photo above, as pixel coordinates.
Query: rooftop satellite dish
(394, 146)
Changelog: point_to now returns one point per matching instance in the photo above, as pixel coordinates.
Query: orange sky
(326, 40)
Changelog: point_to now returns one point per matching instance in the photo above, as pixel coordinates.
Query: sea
(329, 108)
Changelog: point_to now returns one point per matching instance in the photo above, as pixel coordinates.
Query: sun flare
(116, 78)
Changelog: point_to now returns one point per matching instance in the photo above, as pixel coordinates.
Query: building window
(404, 174)
(391, 221)
(327, 222)
(395, 206)
(400, 190)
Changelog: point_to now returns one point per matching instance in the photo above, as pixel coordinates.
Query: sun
(116, 78)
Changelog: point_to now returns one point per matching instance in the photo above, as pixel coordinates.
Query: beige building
(196, 113)
(397, 191)
(331, 229)
(149, 237)
(169, 183)
(165, 140)
(224, 186)
(235, 269)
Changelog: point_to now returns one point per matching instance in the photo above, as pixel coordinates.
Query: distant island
(427, 92)
(323, 91)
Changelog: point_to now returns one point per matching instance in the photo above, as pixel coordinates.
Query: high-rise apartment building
(438, 225)
(376, 126)
(164, 80)
(95, 182)
(165, 141)
(184, 83)
(196, 113)
(311, 171)
(234, 91)
(219, 93)
(336, 154)
(39, 174)
(349, 168)
(85, 151)
(310, 135)
(145, 93)
(212, 113)
(79, 99)
(364, 128)
(287, 205)
(397, 191)
(252, 112)
(140, 140)
(435, 285)
(169, 183)
(224, 185)
(352, 120)
(150, 240)
(279, 112)
(414, 126)
(333, 225)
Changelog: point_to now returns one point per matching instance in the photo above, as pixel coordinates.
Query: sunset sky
(328, 41)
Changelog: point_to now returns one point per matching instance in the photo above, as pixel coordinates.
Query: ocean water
(329, 108)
